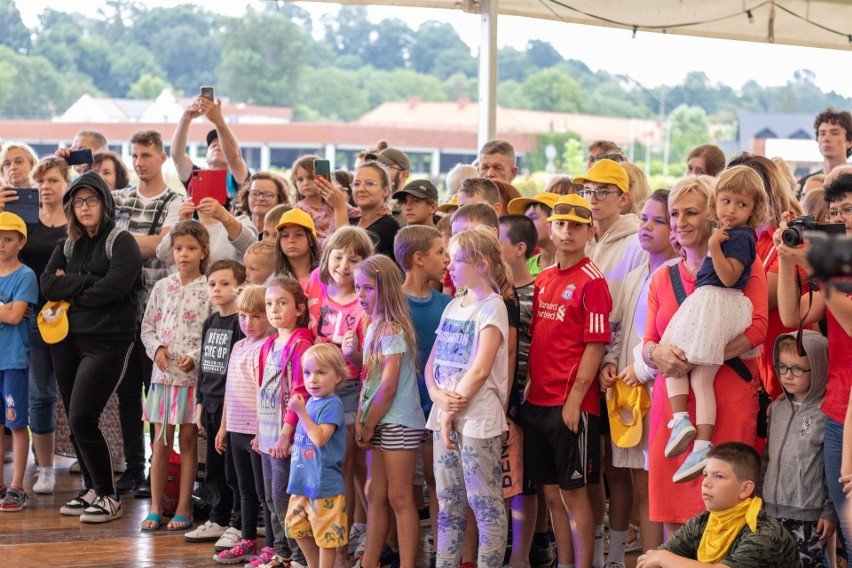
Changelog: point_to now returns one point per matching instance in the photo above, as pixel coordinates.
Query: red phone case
(209, 183)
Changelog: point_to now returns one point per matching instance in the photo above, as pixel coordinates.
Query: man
(418, 202)
(497, 161)
(223, 150)
(600, 149)
(85, 139)
(148, 212)
(833, 132)
(397, 163)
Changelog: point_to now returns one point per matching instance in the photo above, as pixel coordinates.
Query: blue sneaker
(692, 467)
(682, 434)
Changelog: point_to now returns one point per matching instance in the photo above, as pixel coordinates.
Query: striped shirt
(241, 386)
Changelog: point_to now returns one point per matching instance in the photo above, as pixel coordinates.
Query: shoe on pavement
(46, 481)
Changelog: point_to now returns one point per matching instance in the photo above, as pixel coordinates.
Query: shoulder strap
(677, 283)
(161, 208)
(110, 241)
(68, 249)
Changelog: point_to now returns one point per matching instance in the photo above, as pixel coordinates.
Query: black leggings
(136, 379)
(87, 373)
(218, 468)
(249, 468)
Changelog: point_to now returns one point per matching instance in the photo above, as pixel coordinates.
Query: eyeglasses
(568, 209)
(261, 194)
(795, 371)
(78, 202)
(369, 184)
(599, 194)
(614, 157)
(846, 212)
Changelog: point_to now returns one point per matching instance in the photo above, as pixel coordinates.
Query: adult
(223, 150)
(736, 400)
(264, 191)
(84, 140)
(497, 161)
(370, 189)
(603, 149)
(396, 162)
(17, 161)
(705, 160)
(508, 192)
(110, 167)
(97, 271)
(456, 177)
(833, 133)
(562, 185)
(342, 180)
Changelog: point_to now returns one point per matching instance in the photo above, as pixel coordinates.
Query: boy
(734, 531)
(18, 291)
(794, 488)
(418, 202)
(538, 210)
(467, 217)
(480, 190)
(561, 412)
(270, 222)
(259, 261)
(219, 332)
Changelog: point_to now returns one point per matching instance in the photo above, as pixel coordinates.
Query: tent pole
(488, 73)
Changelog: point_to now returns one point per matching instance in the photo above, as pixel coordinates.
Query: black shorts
(554, 454)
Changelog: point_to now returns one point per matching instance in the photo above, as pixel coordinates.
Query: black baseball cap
(211, 136)
(422, 188)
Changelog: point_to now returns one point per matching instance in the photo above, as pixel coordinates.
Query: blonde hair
(480, 245)
(702, 186)
(26, 148)
(328, 356)
(344, 238)
(263, 248)
(252, 300)
(743, 180)
(638, 187)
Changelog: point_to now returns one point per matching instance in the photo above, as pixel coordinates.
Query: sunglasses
(568, 209)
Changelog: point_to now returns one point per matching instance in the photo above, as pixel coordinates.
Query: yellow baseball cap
(53, 322)
(449, 205)
(11, 222)
(297, 217)
(626, 406)
(606, 171)
(518, 205)
(571, 207)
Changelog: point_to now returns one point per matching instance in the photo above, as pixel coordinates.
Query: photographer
(836, 306)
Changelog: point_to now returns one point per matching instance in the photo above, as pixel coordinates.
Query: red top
(736, 400)
(564, 302)
(839, 365)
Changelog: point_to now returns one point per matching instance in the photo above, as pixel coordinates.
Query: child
(418, 202)
(735, 530)
(718, 309)
(467, 379)
(239, 422)
(259, 261)
(794, 487)
(220, 332)
(297, 252)
(317, 502)
(537, 209)
(390, 421)
(571, 306)
(467, 217)
(270, 222)
(318, 197)
(281, 379)
(171, 333)
(18, 292)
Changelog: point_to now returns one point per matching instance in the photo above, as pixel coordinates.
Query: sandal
(179, 523)
(152, 518)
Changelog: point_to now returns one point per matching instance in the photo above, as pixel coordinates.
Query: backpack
(68, 249)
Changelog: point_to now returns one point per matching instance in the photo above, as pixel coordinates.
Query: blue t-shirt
(318, 472)
(740, 245)
(426, 316)
(19, 286)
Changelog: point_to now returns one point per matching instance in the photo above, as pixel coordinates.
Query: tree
(430, 40)
(390, 44)
(13, 33)
(32, 88)
(184, 72)
(458, 86)
(456, 61)
(148, 87)
(542, 54)
(349, 32)
(512, 65)
(689, 129)
(552, 90)
(128, 62)
(329, 92)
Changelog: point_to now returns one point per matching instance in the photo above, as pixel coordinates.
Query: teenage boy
(735, 530)
(538, 210)
(219, 333)
(833, 134)
(418, 202)
(480, 190)
(18, 292)
(571, 306)
(420, 251)
(794, 482)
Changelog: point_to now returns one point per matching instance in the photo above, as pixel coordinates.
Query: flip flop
(179, 523)
(152, 518)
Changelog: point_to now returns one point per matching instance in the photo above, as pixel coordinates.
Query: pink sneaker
(266, 554)
(242, 552)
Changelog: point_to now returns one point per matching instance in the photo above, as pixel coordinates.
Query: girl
(318, 197)
(298, 251)
(281, 378)
(171, 333)
(716, 313)
(239, 419)
(390, 421)
(467, 376)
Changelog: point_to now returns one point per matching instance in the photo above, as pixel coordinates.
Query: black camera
(830, 256)
(794, 234)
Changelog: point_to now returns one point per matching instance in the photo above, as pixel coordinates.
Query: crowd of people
(547, 380)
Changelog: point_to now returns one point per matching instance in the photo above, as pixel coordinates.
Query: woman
(98, 272)
(706, 160)
(370, 189)
(736, 399)
(264, 191)
(112, 169)
(17, 161)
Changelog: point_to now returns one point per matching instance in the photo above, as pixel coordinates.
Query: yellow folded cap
(53, 322)
(626, 406)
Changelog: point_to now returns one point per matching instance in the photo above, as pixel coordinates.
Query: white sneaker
(46, 481)
(228, 540)
(76, 506)
(102, 510)
(208, 532)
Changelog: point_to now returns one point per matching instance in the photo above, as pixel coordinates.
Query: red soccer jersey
(570, 309)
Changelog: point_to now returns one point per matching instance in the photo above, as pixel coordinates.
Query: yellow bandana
(723, 527)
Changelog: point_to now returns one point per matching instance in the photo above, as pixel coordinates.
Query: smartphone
(81, 156)
(208, 93)
(209, 183)
(322, 168)
(26, 207)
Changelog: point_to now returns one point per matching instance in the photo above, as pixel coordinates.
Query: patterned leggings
(472, 476)
(811, 549)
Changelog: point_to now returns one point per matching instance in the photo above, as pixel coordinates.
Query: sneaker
(102, 510)
(692, 467)
(143, 491)
(362, 545)
(682, 434)
(74, 467)
(129, 481)
(228, 540)
(15, 500)
(635, 543)
(389, 557)
(425, 520)
(261, 531)
(266, 554)
(276, 561)
(208, 532)
(46, 481)
(76, 506)
(241, 553)
(354, 537)
(542, 556)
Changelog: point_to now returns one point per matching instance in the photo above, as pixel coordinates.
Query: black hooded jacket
(103, 292)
